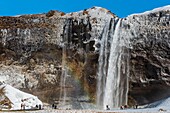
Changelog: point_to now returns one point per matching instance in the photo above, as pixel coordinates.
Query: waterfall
(103, 62)
(64, 73)
(113, 70)
(116, 90)
(113, 78)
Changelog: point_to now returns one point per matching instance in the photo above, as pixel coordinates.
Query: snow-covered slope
(164, 104)
(164, 8)
(18, 97)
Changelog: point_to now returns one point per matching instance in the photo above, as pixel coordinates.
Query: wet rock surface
(150, 56)
(31, 51)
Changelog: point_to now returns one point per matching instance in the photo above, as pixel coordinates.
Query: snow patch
(18, 97)
(164, 104)
(97, 12)
(164, 8)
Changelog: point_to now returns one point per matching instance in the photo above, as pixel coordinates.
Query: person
(136, 106)
(36, 106)
(40, 106)
(125, 106)
(121, 107)
(21, 106)
(53, 106)
(107, 107)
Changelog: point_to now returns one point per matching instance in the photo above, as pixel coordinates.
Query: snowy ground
(18, 97)
(157, 107)
(94, 111)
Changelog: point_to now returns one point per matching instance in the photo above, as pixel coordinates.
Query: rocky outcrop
(31, 51)
(150, 55)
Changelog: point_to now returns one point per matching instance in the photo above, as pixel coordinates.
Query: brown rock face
(33, 49)
(31, 53)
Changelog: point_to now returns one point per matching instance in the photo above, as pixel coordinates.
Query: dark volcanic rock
(31, 51)
(150, 58)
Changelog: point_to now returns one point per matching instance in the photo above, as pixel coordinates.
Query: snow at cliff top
(98, 12)
(18, 97)
(164, 8)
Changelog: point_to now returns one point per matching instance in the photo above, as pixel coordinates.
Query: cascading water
(64, 74)
(113, 78)
(113, 71)
(103, 62)
(72, 95)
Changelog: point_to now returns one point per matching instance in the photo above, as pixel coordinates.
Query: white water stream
(63, 93)
(113, 71)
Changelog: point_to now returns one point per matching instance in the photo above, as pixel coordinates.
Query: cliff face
(30, 55)
(31, 52)
(150, 55)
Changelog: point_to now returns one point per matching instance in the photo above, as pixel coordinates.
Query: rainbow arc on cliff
(113, 66)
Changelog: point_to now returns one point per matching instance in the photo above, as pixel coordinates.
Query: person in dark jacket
(107, 107)
(53, 105)
(136, 106)
(40, 107)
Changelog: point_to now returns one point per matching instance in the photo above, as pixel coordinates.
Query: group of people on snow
(122, 107)
(23, 105)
